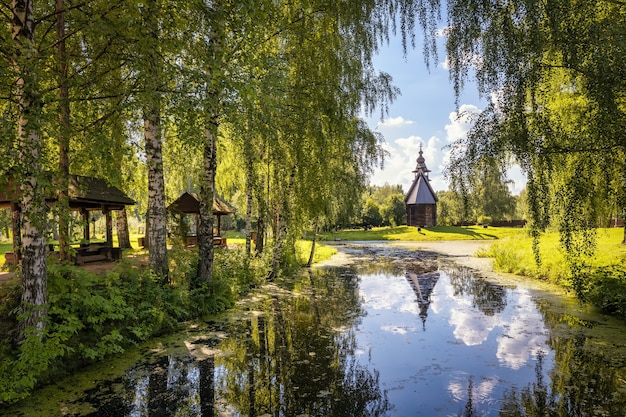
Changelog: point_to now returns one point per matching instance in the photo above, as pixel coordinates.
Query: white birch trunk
(34, 273)
(157, 226)
(205, 229)
(156, 230)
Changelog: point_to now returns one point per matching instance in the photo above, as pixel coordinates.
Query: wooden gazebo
(85, 194)
(188, 203)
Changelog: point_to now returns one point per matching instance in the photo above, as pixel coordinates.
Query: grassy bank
(601, 278)
(516, 256)
(411, 233)
(92, 316)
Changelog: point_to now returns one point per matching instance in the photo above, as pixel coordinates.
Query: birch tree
(33, 208)
(151, 100)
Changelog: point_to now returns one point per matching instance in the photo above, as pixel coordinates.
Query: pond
(398, 332)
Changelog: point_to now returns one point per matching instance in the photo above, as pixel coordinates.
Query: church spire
(421, 165)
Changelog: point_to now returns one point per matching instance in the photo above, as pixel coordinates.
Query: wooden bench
(10, 258)
(96, 252)
(217, 241)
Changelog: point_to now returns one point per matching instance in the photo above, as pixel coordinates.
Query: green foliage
(478, 190)
(393, 210)
(484, 220)
(560, 115)
(370, 214)
(450, 208)
(234, 274)
(93, 316)
(607, 289)
(515, 257)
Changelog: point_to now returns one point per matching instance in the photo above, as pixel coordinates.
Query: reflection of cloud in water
(381, 293)
(521, 324)
(398, 329)
(481, 392)
(471, 327)
(520, 341)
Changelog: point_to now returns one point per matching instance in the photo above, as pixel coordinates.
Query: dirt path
(460, 251)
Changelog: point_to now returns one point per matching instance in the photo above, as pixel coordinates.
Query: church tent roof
(421, 192)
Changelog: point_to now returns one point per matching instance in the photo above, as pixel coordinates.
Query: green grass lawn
(516, 256)
(303, 248)
(4, 248)
(431, 233)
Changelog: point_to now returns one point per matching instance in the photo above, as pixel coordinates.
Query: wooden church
(421, 201)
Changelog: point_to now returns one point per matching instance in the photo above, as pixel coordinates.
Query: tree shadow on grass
(464, 231)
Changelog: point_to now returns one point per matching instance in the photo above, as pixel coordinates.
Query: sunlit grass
(515, 255)
(4, 248)
(431, 233)
(303, 248)
(322, 252)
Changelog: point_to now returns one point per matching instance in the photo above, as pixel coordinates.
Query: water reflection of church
(423, 282)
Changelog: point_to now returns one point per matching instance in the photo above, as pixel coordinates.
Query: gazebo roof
(85, 193)
(188, 203)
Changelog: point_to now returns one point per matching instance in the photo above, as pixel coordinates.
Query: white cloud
(395, 122)
(400, 162)
(404, 150)
(379, 292)
(524, 335)
(461, 122)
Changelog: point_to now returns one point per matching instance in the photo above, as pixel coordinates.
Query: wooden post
(109, 226)
(86, 233)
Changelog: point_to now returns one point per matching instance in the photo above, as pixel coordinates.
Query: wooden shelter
(85, 194)
(188, 203)
(421, 200)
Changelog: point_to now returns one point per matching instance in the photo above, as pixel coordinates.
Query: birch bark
(156, 230)
(205, 230)
(157, 226)
(34, 273)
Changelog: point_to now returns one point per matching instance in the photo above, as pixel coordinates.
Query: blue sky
(425, 114)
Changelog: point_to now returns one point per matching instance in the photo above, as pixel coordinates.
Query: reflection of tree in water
(171, 386)
(469, 411)
(582, 384)
(290, 355)
(298, 356)
(489, 298)
(391, 260)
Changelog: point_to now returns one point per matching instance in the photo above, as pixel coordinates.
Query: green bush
(607, 289)
(93, 316)
(233, 275)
